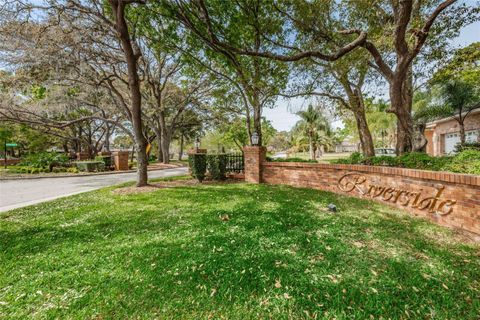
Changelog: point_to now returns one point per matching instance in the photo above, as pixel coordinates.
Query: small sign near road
(11, 144)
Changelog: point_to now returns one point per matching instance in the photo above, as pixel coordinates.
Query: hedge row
(214, 164)
(466, 161)
(270, 159)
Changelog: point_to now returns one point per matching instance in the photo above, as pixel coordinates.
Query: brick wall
(10, 162)
(449, 199)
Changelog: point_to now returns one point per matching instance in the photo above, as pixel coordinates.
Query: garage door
(471, 136)
(451, 140)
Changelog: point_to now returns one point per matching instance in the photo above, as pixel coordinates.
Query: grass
(235, 251)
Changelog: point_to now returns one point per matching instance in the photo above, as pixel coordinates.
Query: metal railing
(235, 162)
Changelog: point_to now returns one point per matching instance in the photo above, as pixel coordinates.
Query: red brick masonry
(449, 199)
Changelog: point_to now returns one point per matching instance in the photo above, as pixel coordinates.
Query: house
(346, 146)
(444, 134)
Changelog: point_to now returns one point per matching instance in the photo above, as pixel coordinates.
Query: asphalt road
(24, 192)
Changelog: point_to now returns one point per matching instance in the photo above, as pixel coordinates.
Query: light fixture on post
(197, 144)
(255, 139)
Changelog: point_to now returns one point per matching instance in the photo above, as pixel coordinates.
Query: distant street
(24, 192)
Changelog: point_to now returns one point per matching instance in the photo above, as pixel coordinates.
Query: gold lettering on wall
(414, 199)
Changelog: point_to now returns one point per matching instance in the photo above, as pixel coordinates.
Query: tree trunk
(311, 149)
(366, 141)
(180, 153)
(401, 106)
(166, 146)
(131, 58)
(159, 148)
(462, 133)
(106, 145)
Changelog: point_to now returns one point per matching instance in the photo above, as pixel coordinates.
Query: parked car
(385, 152)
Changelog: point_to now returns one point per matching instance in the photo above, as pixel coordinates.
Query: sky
(282, 115)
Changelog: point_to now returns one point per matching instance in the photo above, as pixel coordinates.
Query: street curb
(84, 175)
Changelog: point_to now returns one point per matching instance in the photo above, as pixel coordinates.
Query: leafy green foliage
(293, 159)
(217, 166)
(420, 160)
(26, 169)
(354, 158)
(463, 65)
(107, 160)
(466, 161)
(276, 254)
(90, 166)
(466, 146)
(45, 160)
(198, 165)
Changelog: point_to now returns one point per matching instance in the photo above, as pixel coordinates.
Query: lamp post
(197, 144)
(255, 139)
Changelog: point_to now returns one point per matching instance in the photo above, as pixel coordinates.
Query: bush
(72, 170)
(381, 161)
(467, 161)
(217, 166)
(107, 160)
(45, 160)
(60, 169)
(290, 160)
(90, 166)
(152, 158)
(132, 164)
(466, 146)
(198, 165)
(354, 158)
(419, 160)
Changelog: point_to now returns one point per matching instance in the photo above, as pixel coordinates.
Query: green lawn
(233, 251)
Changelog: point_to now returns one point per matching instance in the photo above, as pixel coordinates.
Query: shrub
(217, 166)
(45, 160)
(34, 170)
(198, 165)
(466, 146)
(467, 161)
(72, 170)
(381, 161)
(107, 160)
(132, 164)
(59, 169)
(90, 166)
(290, 160)
(419, 160)
(354, 158)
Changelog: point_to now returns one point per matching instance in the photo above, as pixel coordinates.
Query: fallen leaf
(212, 293)
(278, 284)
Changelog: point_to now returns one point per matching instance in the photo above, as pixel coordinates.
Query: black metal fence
(235, 162)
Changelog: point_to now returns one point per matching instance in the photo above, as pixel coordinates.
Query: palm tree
(313, 125)
(456, 99)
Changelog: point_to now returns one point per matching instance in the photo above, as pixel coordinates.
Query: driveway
(24, 192)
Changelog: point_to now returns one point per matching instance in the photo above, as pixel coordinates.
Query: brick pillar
(254, 156)
(120, 159)
(83, 156)
(193, 151)
(104, 153)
